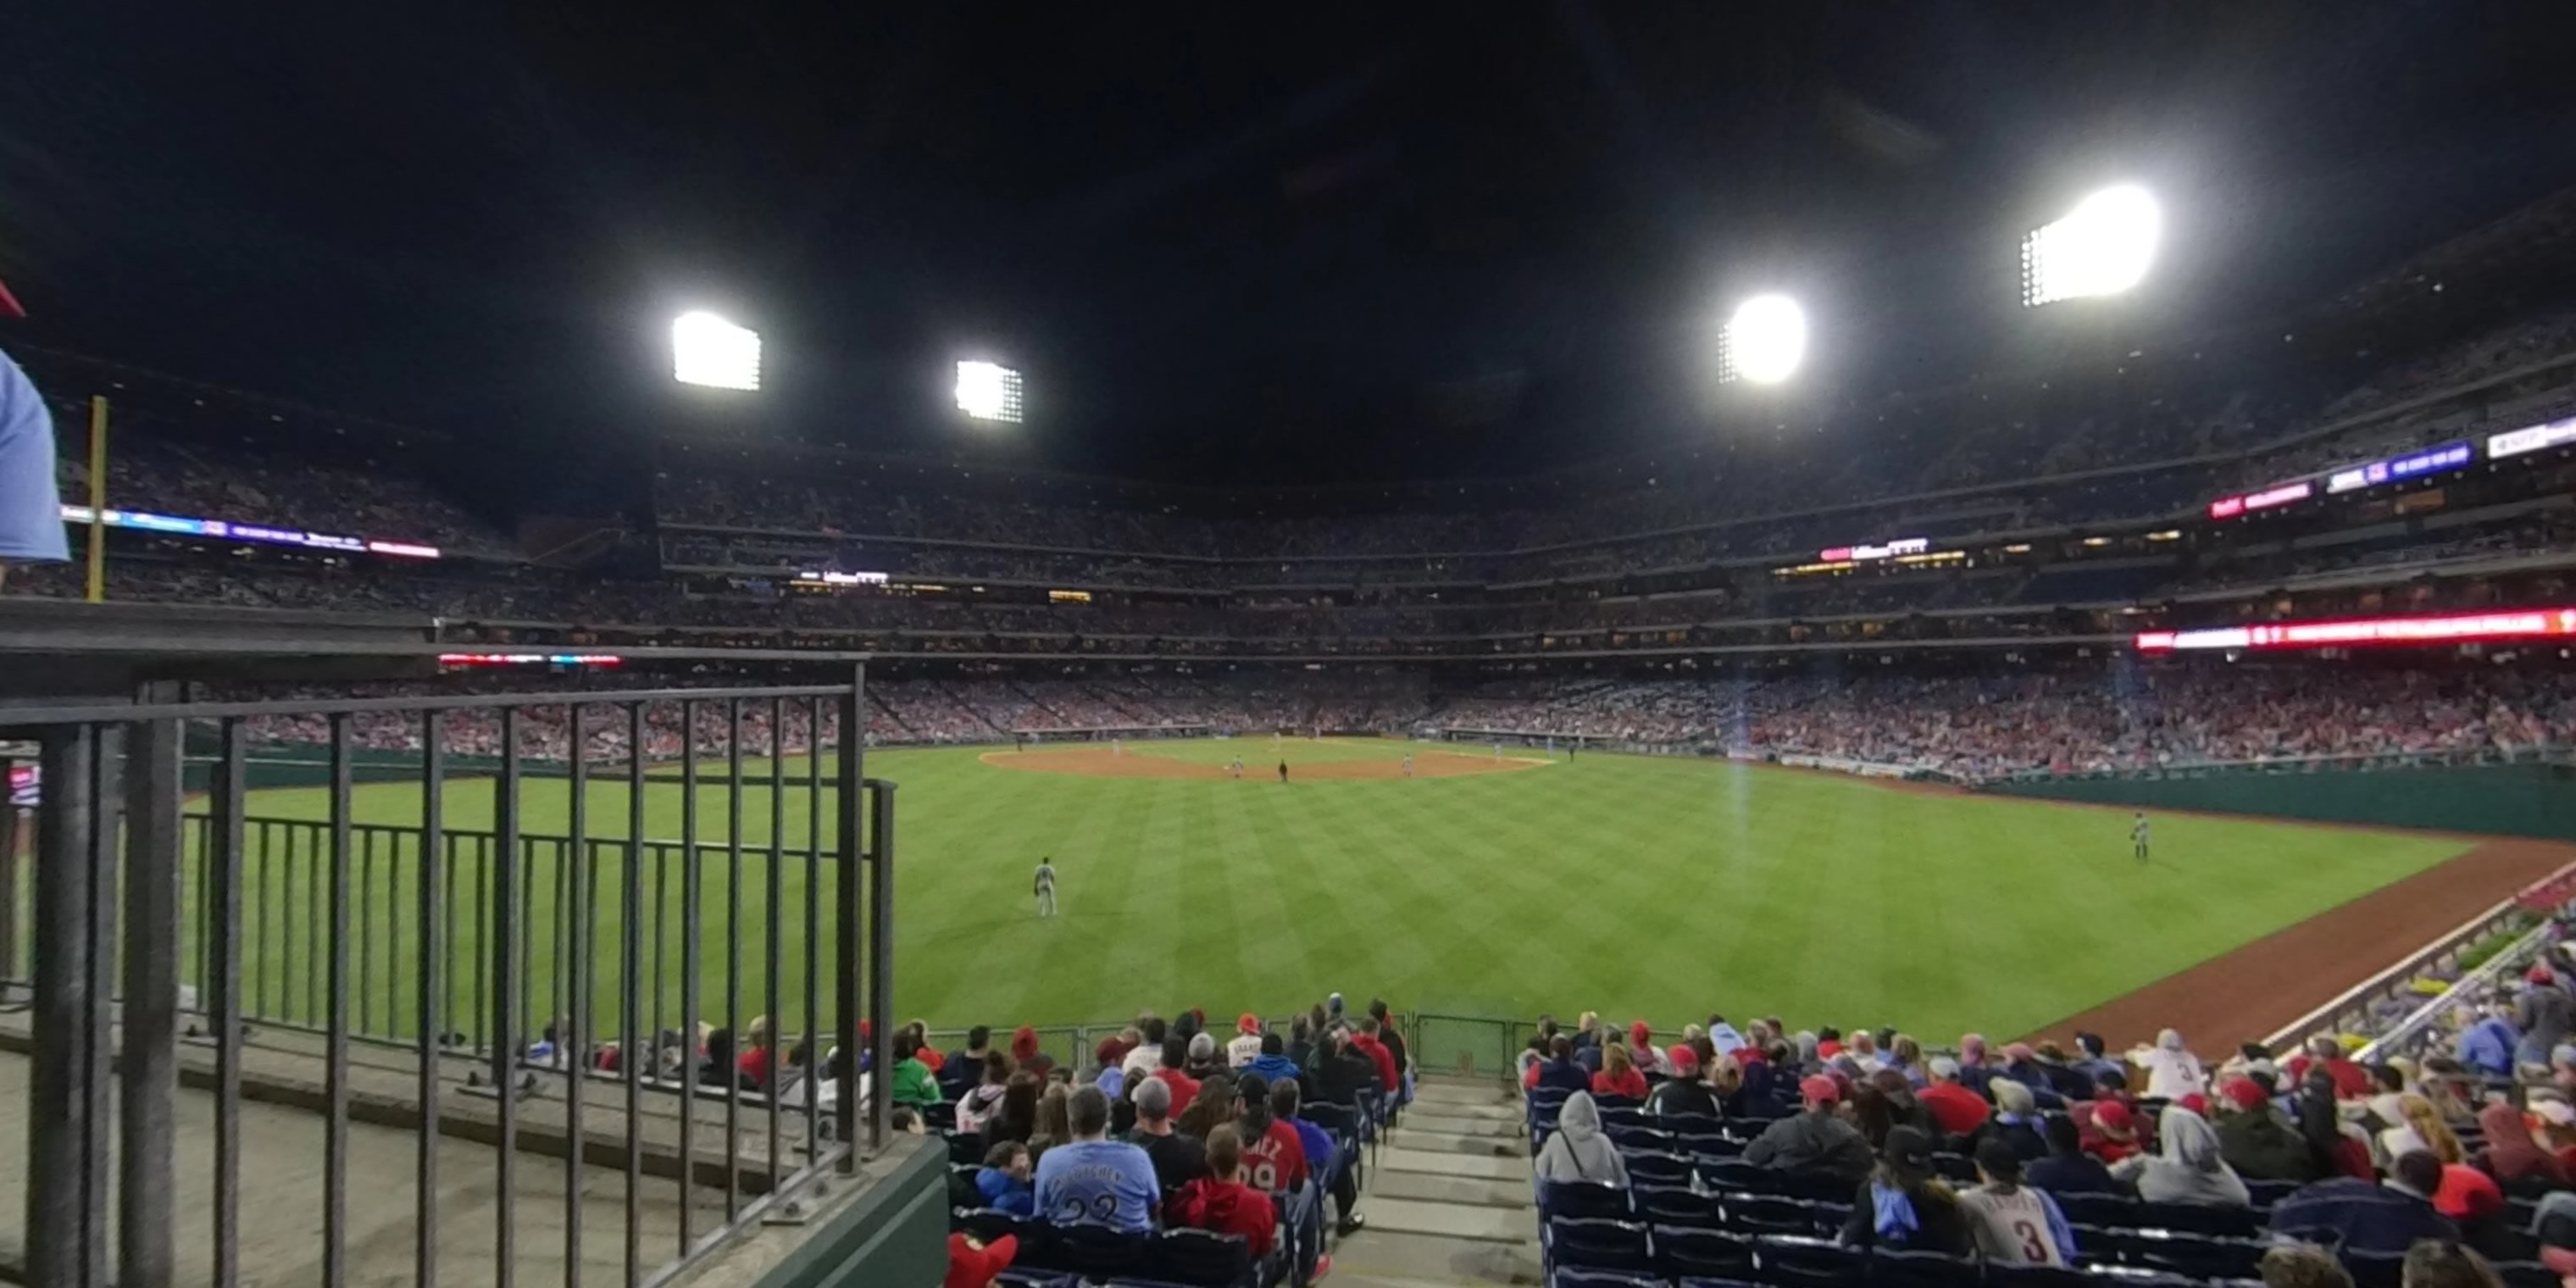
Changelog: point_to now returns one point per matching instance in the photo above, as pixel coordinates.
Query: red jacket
(973, 1266)
(1956, 1110)
(1380, 1056)
(1227, 1207)
(1633, 1086)
(1277, 1161)
(1184, 1088)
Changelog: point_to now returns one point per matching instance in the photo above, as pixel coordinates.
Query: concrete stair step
(1464, 1093)
(1478, 1191)
(1432, 1142)
(1387, 1216)
(1405, 1260)
(1420, 1118)
(1406, 1158)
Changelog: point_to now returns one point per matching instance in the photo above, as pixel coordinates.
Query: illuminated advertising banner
(2533, 439)
(842, 578)
(529, 659)
(2268, 498)
(224, 530)
(2451, 628)
(1863, 554)
(2398, 469)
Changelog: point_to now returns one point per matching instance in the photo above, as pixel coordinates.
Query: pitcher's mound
(1099, 763)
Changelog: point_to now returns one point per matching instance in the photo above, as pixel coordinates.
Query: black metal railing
(559, 965)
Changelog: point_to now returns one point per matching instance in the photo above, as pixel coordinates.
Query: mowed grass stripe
(1636, 886)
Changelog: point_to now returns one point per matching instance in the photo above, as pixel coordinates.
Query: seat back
(2197, 1218)
(1691, 1252)
(1896, 1268)
(1601, 1244)
(1649, 1167)
(1661, 1205)
(1094, 1251)
(1590, 1199)
(1795, 1262)
(1202, 1258)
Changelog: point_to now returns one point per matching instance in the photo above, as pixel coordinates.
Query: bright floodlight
(987, 391)
(1764, 342)
(707, 350)
(2102, 247)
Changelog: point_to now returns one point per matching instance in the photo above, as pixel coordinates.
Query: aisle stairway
(1448, 1198)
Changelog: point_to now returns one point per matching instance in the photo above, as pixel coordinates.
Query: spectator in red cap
(31, 515)
(1815, 1141)
(1642, 1055)
(1024, 1049)
(2109, 1131)
(1246, 1046)
(1685, 1092)
(2257, 1139)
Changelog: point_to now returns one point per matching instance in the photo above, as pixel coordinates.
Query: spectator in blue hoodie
(1004, 1180)
(1273, 1063)
(2487, 1046)
(1322, 1159)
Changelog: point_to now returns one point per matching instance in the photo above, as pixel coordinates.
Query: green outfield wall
(2532, 799)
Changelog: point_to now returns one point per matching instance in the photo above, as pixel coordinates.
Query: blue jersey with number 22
(1099, 1182)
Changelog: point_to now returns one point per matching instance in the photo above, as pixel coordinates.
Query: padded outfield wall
(2528, 799)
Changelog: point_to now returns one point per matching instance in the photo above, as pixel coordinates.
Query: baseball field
(1478, 885)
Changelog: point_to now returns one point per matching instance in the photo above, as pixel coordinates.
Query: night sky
(1235, 244)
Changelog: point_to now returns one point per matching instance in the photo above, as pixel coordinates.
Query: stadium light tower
(988, 391)
(707, 350)
(2102, 247)
(1764, 342)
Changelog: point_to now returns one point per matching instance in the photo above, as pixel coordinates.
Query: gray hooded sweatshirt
(2188, 1169)
(1578, 1151)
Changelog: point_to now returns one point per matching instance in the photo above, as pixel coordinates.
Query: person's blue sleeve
(2058, 1229)
(31, 510)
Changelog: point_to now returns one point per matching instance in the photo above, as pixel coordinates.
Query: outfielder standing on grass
(1045, 887)
(2138, 835)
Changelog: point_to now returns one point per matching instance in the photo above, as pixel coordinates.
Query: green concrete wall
(2512, 800)
(895, 1235)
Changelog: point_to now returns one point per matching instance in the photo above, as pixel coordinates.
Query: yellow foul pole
(97, 499)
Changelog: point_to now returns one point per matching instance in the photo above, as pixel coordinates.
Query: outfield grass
(1631, 885)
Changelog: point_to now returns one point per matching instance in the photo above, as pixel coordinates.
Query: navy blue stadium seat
(2526, 1274)
(1676, 1205)
(1732, 1174)
(1626, 1114)
(1022, 1277)
(1647, 1167)
(2374, 1269)
(1816, 1187)
(989, 1224)
(966, 1147)
(1589, 1199)
(1094, 1251)
(1770, 1214)
(2226, 1222)
(1716, 1283)
(2108, 1211)
(1998, 1276)
(1955, 1167)
(2267, 1193)
(1583, 1277)
(1707, 1144)
(1631, 1136)
(1690, 1252)
(1895, 1268)
(1598, 1244)
(1793, 1262)
(941, 1117)
(1618, 1104)
(1201, 1258)
(2192, 1256)
(1688, 1123)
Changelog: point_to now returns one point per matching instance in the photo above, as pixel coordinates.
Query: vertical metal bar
(525, 931)
(776, 894)
(335, 1046)
(691, 923)
(437, 935)
(881, 954)
(146, 1203)
(259, 957)
(487, 1011)
(366, 857)
(8, 873)
(572, 1043)
(733, 956)
(65, 1247)
(447, 849)
(100, 948)
(813, 928)
(316, 886)
(505, 1038)
(636, 1047)
(224, 986)
(845, 917)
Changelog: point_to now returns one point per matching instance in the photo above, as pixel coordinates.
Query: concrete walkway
(1448, 1200)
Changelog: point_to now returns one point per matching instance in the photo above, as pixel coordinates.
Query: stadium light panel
(988, 391)
(707, 350)
(2102, 247)
(1764, 342)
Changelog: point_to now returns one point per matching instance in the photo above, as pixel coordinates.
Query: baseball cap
(1996, 1156)
(1639, 1032)
(2537, 974)
(2244, 1093)
(1944, 1067)
(1819, 1089)
(1685, 1061)
(1248, 1023)
(2195, 1102)
(2113, 1119)
(2557, 1113)
(2020, 1051)
(9, 306)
